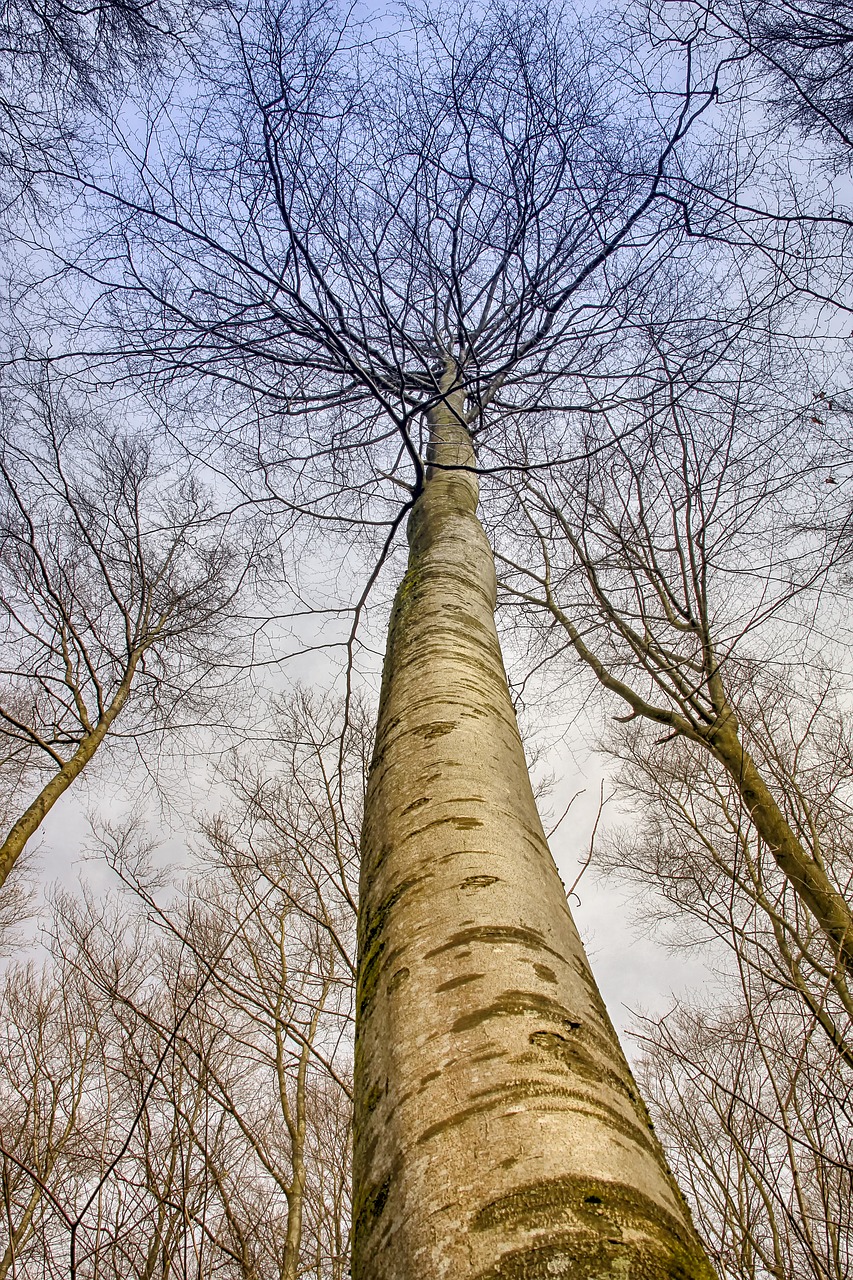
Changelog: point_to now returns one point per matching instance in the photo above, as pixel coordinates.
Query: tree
(755, 1117)
(175, 1090)
(272, 926)
(120, 580)
(408, 255)
(120, 1182)
(801, 49)
(781, 74)
(49, 1044)
(736, 890)
(637, 549)
(60, 62)
(750, 1091)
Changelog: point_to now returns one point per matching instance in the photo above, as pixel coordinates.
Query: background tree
(196, 1121)
(637, 548)
(120, 584)
(755, 1116)
(749, 1084)
(780, 132)
(59, 64)
(802, 51)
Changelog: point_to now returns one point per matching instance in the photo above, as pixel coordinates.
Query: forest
(408, 412)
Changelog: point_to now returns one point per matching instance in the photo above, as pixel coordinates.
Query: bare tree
(756, 1117)
(62, 64)
(698, 849)
(639, 552)
(206, 1129)
(801, 49)
(780, 130)
(273, 924)
(50, 1055)
(120, 584)
(749, 1082)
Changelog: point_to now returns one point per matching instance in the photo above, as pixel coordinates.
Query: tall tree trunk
(498, 1131)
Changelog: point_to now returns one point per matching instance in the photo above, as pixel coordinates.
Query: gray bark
(498, 1132)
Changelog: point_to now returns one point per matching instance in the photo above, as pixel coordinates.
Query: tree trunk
(808, 878)
(33, 816)
(19, 1235)
(290, 1269)
(802, 870)
(498, 1132)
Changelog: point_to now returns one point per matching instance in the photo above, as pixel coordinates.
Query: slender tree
(119, 579)
(636, 549)
(749, 1080)
(698, 850)
(484, 1057)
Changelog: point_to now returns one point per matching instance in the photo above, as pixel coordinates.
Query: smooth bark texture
(498, 1132)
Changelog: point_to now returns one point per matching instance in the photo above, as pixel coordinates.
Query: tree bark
(498, 1132)
(808, 878)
